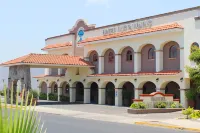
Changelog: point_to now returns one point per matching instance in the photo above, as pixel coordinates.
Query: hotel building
(114, 64)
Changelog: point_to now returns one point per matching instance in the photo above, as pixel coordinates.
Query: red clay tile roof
(48, 59)
(134, 32)
(165, 72)
(51, 46)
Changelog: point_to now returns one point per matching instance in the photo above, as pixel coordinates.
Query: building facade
(128, 59)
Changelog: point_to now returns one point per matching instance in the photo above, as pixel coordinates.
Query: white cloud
(97, 2)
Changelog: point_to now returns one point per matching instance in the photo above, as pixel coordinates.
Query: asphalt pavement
(64, 124)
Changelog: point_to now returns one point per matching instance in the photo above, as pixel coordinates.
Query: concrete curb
(167, 126)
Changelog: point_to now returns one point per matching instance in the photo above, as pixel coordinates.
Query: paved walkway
(116, 114)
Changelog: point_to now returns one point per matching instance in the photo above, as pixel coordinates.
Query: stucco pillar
(117, 63)
(86, 95)
(137, 62)
(72, 92)
(118, 97)
(47, 71)
(183, 98)
(48, 91)
(59, 71)
(101, 64)
(102, 96)
(59, 90)
(159, 60)
(182, 59)
(138, 91)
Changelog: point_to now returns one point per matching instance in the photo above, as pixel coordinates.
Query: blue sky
(25, 24)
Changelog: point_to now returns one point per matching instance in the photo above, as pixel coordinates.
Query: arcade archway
(149, 87)
(110, 93)
(94, 93)
(127, 94)
(79, 92)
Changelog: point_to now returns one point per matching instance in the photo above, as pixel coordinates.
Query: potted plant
(191, 95)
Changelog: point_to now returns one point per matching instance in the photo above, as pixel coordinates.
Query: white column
(182, 60)
(47, 71)
(59, 71)
(72, 95)
(102, 96)
(117, 63)
(59, 90)
(137, 62)
(118, 97)
(159, 60)
(183, 98)
(86, 95)
(48, 91)
(138, 91)
(101, 64)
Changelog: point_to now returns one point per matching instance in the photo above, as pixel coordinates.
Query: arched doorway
(65, 96)
(173, 88)
(54, 88)
(43, 88)
(94, 93)
(149, 87)
(127, 94)
(79, 92)
(110, 93)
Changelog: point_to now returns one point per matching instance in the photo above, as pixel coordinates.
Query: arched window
(55, 88)
(129, 55)
(151, 53)
(111, 57)
(194, 46)
(95, 58)
(173, 51)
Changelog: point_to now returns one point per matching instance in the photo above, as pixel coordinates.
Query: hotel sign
(128, 27)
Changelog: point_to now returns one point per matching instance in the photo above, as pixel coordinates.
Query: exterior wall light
(84, 80)
(181, 79)
(157, 79)
(135, 80)
(58, 80)
(98, 80)
(70, 80)
(37, 80)
(115, 80)
(47, 80)
(9, 78)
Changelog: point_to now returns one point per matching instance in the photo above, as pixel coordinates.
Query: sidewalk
(128, 119)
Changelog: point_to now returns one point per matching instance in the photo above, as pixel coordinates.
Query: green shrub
(195, 115)
(188, 111)
(33, 93)
(53, 97)
(22, 119)
(140, 105)
(64, 98)
(43, 96)
(180, 105)
(1, 93)
(173, 105)
(161, 105)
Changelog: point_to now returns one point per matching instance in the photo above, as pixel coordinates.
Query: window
(173, 51)
(95, 58)
(55, 88)
(110, 57)
(151, 53)
(129, 55)
(194, 47)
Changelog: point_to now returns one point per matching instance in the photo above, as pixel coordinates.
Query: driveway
(112, 110)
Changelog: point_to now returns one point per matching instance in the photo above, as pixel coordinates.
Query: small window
(95, 58)
(194, 47)
(55, 88)
(111, 57)
(129, 56)
(151, 53)
(173, 51)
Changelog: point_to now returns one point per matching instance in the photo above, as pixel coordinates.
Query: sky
(25, 24)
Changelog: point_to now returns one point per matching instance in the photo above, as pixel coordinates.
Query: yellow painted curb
(167, 126)
(11, 107)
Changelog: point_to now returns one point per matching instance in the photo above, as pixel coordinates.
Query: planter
(191, 103)
(153, 110)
